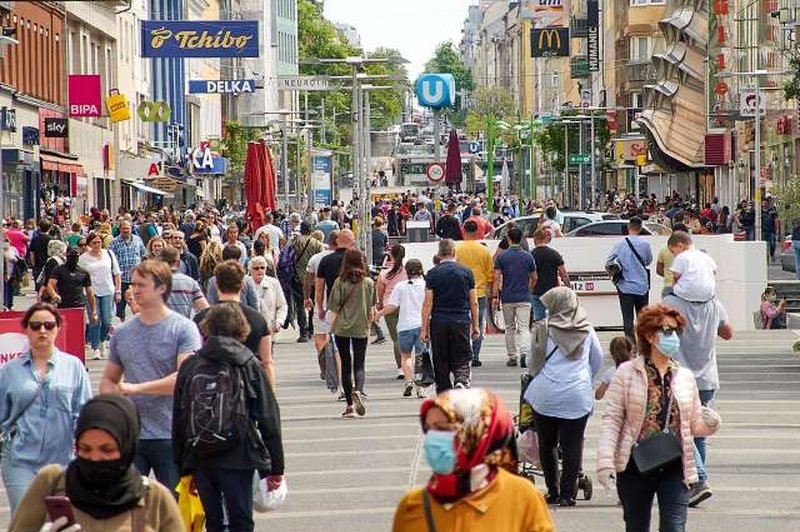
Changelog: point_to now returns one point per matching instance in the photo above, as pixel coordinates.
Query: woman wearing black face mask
(70, 286)
(103, 487)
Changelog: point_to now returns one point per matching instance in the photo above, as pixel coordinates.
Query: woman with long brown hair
(387, 281)
(352, 307)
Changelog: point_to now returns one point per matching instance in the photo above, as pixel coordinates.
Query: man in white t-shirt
(274, 232)
(694, 271)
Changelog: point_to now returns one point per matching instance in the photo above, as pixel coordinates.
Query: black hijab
(107, 488)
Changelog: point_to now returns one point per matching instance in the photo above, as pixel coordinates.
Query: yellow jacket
(509, 504)
(477, 257)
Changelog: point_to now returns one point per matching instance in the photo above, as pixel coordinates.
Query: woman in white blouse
(104, 272)
(271, 300)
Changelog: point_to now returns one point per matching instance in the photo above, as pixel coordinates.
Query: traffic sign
(436, 90)
(579, 158)
(749, 100)
(474, 147)
(435, 172)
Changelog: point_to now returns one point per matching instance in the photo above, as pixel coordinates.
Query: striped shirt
(185, 291)
(129, 254)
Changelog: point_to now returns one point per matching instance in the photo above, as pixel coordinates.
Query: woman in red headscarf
(469, 444)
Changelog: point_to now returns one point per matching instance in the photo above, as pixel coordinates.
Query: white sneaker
(103, 350)
(96, 354)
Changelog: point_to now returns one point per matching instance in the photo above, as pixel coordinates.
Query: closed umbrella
(452, 174)
(268, 186)
(253, 180)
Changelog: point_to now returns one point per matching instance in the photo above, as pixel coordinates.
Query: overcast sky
(414, 27)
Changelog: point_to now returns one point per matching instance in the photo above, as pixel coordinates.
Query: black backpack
(216, 418)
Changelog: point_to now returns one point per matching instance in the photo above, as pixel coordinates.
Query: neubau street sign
(223, 86)
(579, 158)
(306, 83)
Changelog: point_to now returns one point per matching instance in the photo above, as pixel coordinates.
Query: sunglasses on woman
(37, 325)
(666, 330)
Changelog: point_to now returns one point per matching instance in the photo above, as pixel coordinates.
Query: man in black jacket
(448, 226)
(226, 477)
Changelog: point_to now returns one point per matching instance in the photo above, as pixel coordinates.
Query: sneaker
(699, 492)
(400, 375)
(358, 404)
(363, 395)
(379, 341)
(511, 362)
(103, 350)
(523, 362)
(477, 363)
(409, 388)
(339, 397)
(552, 498)
(422, 393)
(349, 412)
(96, 354)
(460, 385)
(566, 502)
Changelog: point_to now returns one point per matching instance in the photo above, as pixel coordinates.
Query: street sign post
(306, 83)
(579, 158)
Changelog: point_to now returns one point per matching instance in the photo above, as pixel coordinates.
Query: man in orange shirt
(485, 228)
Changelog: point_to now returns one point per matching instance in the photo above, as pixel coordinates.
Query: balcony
(578, 27)
(579, 67)
(641, 71)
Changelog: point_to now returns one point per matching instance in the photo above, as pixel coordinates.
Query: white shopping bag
(265, 500)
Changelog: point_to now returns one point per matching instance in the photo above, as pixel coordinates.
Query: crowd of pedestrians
(205, 295)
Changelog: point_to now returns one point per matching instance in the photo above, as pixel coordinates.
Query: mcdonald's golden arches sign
(550, 42)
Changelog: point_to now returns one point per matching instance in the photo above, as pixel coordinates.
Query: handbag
(660, 449)
(9, 431)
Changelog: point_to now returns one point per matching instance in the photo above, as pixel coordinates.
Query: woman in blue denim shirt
(43, 391)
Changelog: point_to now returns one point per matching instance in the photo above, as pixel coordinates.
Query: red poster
(70, 339)
(85, 97)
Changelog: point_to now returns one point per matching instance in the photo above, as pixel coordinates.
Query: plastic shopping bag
(265, 500)
(194, 516)
(528, 447)
(331, 375)
(423, 368)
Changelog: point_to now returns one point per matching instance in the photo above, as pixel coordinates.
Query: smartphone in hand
(59, 506)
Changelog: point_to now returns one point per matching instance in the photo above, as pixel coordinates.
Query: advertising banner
(85, 97)
(199, 38)
(321, 179)
(550, 42)
(70, 339)
(117, 105)
(57, 128)
(549, 13)
(593, 35)
(223, 86)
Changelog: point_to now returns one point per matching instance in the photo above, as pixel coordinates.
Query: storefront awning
(60, 164)
(149, 190)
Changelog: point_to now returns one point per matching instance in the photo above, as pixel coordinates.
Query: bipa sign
(85, 97)
(436, 90)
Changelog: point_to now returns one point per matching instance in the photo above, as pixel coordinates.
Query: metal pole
(490, 163)
(364, 203)
(532, 162)
(566, 163)
(355, 161)
(636, 182)
(757, 123)
(580, 166)
(436, 135)
(285, 165)
(520, 167)
(322, 135)
(594, 178)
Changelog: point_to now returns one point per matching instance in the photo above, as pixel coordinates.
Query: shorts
(320, 326)
(410, 340)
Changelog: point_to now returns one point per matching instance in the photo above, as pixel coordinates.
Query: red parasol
(253, 179)
(268, 186)
(452, 174)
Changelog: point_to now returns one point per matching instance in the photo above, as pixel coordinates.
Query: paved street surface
(349, 474)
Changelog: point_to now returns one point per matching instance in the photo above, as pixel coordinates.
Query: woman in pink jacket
(653, 397)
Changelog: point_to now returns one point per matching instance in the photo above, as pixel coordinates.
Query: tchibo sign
(223, 86)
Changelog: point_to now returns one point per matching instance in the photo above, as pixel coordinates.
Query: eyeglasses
(259, 267)
(668, 331)
(37, 325)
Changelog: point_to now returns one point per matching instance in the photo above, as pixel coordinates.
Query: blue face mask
(669, 344)
(440, 450)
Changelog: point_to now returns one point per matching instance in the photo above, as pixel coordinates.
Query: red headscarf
(485, 437)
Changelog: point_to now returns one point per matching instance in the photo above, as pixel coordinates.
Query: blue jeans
(16, 479)
(700, 443)
(483, 305)
(98, 331)
(636, 492)
(796, 249)
(539, 310)
(156, 455)
(231, 488)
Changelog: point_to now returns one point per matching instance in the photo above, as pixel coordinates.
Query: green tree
(496, 102)
(446, 60)
(234, 144)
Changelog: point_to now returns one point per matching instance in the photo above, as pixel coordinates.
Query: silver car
(618, 228)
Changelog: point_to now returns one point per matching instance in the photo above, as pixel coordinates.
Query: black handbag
(659, 450)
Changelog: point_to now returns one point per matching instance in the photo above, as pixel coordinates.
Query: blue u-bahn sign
(436, 90)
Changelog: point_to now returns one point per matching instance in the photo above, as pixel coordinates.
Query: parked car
(787, 256)
(618, 228)
(570, 222)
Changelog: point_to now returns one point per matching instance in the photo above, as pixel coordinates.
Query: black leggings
(356, 366)
(568, 434)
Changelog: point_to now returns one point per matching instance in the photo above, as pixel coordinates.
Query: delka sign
(85, 97)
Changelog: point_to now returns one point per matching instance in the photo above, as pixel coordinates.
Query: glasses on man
(37, 325)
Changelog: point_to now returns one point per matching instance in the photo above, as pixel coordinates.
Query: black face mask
(100, 474)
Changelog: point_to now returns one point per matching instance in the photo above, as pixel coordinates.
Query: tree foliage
(550, 138)
(789, 195)
(446, 60)
(234, 144)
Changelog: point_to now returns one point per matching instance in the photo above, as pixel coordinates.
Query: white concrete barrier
(741, 273)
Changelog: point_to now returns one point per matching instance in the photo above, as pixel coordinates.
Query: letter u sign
(154, 111)
(436, 90)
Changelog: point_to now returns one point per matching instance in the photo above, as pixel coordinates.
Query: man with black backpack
(305, 247)
(226, 421)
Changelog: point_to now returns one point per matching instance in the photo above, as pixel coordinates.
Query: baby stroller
(528, 446)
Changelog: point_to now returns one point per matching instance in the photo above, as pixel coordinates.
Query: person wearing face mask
(104, 489)
(773, 312)
(653, 410)
(469, 444)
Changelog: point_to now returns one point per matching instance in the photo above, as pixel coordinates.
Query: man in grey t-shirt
(148, 350)
(704, 322)
(186, 294)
